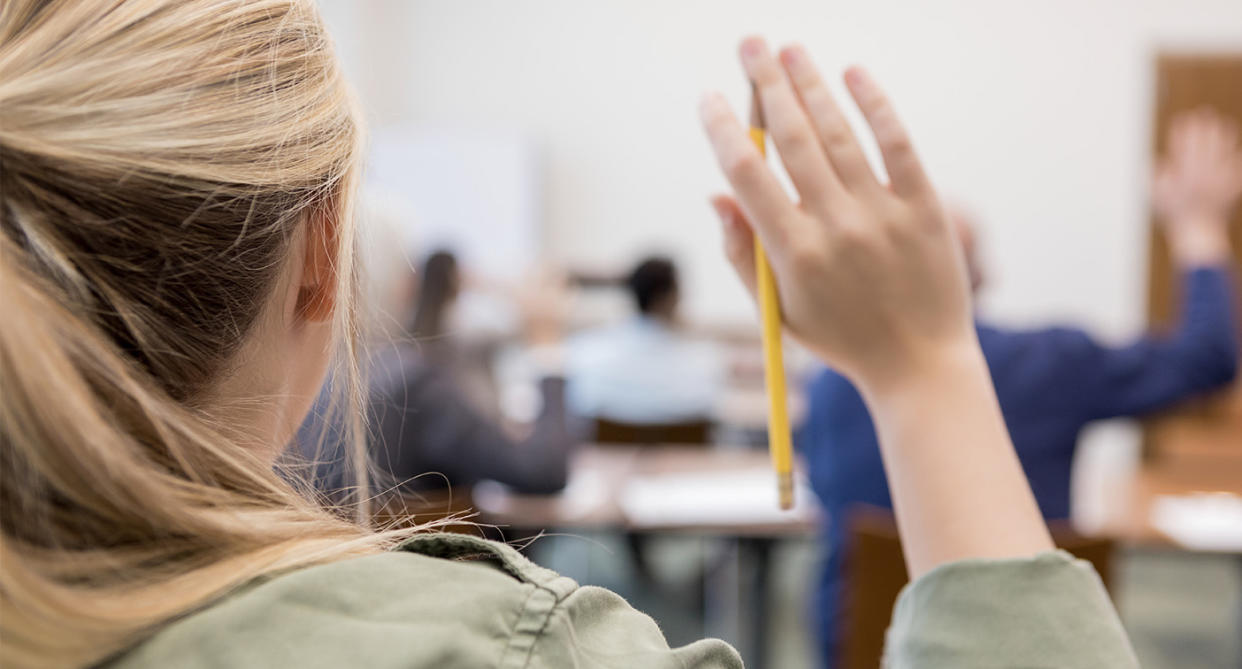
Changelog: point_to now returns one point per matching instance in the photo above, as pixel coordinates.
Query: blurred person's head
(439, 284)
(176, 273)
(653, 284)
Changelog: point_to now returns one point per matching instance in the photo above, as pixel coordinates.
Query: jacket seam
(519, 655)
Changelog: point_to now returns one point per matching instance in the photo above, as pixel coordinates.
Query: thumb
(739, 239)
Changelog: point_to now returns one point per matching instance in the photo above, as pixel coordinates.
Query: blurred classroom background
(551, 134)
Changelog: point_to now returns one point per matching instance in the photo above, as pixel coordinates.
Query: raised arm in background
(1196, 186)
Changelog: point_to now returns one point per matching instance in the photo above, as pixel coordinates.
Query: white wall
(1033, 114)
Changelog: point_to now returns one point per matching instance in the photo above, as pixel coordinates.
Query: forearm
(1208, 315)
(1204, 340)
(958, 489)
(535, 464)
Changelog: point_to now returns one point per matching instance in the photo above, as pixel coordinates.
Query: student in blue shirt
(647, 369)
(1052, 382)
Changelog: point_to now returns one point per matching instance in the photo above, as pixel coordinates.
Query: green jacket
(447, 600)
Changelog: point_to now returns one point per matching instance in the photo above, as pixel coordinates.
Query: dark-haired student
(645, 370)
(1052, 382)
(426, 432)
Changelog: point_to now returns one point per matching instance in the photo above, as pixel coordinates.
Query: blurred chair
(875, 572)
(697, 432)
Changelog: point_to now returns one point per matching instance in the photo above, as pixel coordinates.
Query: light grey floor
(1182, 611)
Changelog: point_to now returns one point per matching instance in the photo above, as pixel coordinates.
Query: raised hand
(870, 275)
(1197, 183)
(871, 280)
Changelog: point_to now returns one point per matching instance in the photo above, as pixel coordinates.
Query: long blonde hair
(157, 158)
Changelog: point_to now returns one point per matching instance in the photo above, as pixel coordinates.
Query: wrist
(926, 372)
(1199, 240)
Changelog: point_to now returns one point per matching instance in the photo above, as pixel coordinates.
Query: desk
(645, 490)
(1128, 517)
(601, 476)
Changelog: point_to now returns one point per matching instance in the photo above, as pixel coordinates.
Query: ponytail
(121, 508)
(157, 159)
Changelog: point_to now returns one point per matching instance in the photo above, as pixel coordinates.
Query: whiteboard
(476, 192)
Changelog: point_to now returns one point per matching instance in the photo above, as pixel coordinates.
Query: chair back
(616, 432)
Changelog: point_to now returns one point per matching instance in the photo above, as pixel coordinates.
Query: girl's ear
(317, 289)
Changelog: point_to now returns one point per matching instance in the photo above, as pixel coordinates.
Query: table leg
(757, 610)
(1238, 612)
(721, 589)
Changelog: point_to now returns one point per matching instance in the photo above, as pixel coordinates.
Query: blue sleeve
(1199, 354)
(813, 422)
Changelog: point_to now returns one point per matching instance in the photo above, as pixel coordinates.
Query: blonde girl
(177, 272)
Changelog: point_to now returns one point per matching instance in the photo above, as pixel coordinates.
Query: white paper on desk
(745, 497)
(1202, 521)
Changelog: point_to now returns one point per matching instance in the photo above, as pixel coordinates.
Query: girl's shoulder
(437, 595)
(439, 600)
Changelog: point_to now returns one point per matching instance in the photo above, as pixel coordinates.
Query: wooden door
(1209, 427)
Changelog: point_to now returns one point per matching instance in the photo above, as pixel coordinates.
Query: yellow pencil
(780, 443)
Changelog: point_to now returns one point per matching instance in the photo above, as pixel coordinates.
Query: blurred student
(446, 341)
(439, 285)
(176, 249)
(425, 433)
(645, 370)
(1052, 382)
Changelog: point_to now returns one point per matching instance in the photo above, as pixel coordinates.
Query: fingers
(1185, 140)
(842, 148)
(759, 193)
(739, 239)
(1176, 145)
(905, 172)
(1201, 136)
(1220, 135)
(791, 131)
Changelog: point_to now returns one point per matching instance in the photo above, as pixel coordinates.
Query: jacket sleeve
(1046, 611)
(594, 628)
(1199, 354)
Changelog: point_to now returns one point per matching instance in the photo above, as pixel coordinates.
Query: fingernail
(855, 76)
(793, 55)
(753, 47)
